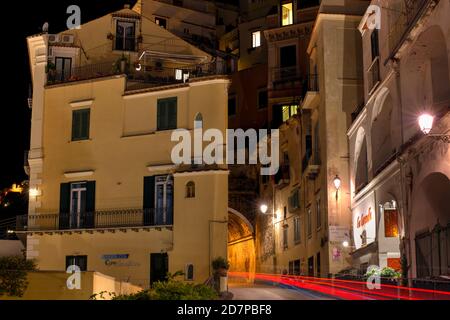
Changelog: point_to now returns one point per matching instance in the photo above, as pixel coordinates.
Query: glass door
(163, 200)
(77, 205)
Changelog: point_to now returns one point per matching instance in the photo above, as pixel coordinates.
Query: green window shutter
(172, 113)
(64, 206)
(89, 221)
(149, 200)
(167, 114)
(80, 124)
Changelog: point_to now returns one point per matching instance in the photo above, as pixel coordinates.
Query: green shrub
(173, 290)
(13, 275)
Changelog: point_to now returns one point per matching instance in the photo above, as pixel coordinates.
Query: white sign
(364, 223)
(339, 234)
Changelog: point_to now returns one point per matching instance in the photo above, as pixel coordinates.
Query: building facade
(106, 195)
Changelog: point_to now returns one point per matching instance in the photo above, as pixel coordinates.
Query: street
(271, 292)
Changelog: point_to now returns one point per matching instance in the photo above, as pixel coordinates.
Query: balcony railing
(286, 73)
(111, 219)
(155, 75)
(311, 164)
(373, 75)
(412, 10)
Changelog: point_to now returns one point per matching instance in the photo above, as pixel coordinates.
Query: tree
(13, 275)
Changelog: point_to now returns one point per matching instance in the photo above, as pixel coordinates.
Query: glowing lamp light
(264, 208)
(34, 192)
(346, 244)
(337, 182)
(138, 66)
(426, 123)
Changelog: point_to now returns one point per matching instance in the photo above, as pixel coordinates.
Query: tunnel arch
(241, 246)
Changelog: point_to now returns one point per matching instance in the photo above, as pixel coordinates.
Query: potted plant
(50, 69)
(121, 65)
(220, 267)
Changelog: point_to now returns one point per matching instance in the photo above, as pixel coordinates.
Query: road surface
(271, 292)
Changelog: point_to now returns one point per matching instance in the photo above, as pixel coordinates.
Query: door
(159, 267)
(63, 68)
(164, 200)
(311, 267)
(80, 261)
(77, 205)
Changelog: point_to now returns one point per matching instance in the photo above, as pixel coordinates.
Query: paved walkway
(268, 292)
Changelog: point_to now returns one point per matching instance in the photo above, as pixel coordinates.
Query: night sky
(25, 19)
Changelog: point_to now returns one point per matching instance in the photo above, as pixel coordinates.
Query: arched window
(190, 190)
(189, 275)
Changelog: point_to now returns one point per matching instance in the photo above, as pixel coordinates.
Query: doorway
(159, 267)
(311, 267)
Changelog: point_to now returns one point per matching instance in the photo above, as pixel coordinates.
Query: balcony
(26, 164)
(411, 12)
(148, 76)
(99, 220)
(311, 92)
(311, 165)
(283, 176)
(285, 74)
(373, 75)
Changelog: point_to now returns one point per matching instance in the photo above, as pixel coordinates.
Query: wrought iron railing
(286, 73)
(156, 75)
(119, 218)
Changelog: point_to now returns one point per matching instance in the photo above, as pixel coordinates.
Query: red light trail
(348, 289)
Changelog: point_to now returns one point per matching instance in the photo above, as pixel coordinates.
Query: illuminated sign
(364, 223)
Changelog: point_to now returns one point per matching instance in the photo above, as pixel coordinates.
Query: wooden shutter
(75, 125)
(89, 221)
(172, 113)
(85, 120)
(149, 200)
(64, 206)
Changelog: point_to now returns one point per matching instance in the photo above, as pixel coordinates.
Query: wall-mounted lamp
(426, 122)
(264, 208)
(337, 184)
(34, 192)
(345, 244)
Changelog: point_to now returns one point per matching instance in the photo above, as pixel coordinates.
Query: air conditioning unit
(67, 39)
(53, 38)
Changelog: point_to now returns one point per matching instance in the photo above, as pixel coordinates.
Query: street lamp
(264, 208)
(426, 122)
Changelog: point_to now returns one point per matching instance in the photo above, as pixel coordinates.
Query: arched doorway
(241, 246)
(430, 226)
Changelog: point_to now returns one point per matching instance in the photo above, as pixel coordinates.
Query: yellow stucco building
(105, 194)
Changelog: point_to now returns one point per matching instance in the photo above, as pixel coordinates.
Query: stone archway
(429, 225)
(241, 245)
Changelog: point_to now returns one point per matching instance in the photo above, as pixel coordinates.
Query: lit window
(190, 190)
(391, 223)
(289, 111)
(256, 39)
(287, 13)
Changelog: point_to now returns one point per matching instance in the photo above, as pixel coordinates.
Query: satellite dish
(45, 27)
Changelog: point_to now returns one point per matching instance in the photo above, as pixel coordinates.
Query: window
(80, 124)
(375, 44)
(390, 223)
(285, 213)
(287, 14)
(309, 218)
(125, 36)
(63, 68)
(289, 111)
(161, 22)
(167, 114)
(317, 159)
(288, 57)
(232, 106)
(163, 200)
(189, 274)
(190, 190)
(285, 236)
(77, 205)
(80, 261)
(297, 230)
(294, 200)
(318, 215)
(256, 39)
(262, 99)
